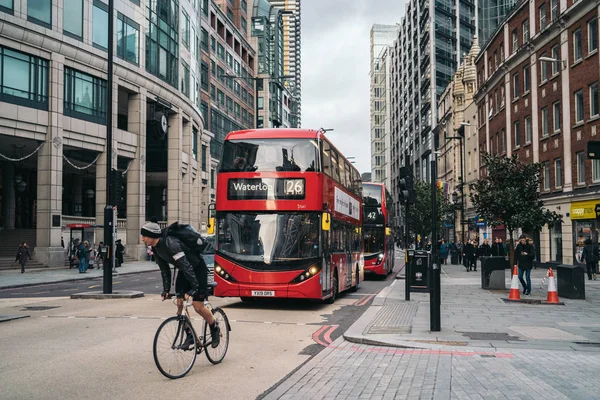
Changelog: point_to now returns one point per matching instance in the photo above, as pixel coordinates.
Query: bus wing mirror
(325, 221)
(210, 228)
(388, 231)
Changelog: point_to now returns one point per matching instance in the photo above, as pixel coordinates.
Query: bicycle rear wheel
(172, 357)
(216, 354)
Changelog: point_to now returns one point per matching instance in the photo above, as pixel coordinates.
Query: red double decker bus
(377, 229)
(288, 217)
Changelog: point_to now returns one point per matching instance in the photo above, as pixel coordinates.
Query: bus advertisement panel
(377, 229)
(288, 217)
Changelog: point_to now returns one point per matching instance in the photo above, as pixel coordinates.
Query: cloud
(335, 69)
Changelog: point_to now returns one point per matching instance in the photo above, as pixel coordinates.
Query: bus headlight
(379, 258)
(307, 273)
(223, 274)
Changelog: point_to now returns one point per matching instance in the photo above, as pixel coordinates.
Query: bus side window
(326, 158)
(334, 165)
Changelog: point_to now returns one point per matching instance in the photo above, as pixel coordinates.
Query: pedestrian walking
(497, 248)
(119, 251)
(591, 256)
(469, 255)
(100, 255)
(82, 256)
(443, 251)
(459, 251)
(530, 241)
(524, 256)
(23, 255)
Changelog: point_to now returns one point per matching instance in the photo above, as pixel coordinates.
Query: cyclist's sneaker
(189, 342)
(215, 334)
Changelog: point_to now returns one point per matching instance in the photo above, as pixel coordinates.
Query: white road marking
(393, 283)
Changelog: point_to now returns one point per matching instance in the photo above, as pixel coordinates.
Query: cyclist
(191, 279)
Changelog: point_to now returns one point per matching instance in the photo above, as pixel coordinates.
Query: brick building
(538, 98)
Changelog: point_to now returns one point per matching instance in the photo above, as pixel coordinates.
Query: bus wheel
(334, 289)
(355, 287)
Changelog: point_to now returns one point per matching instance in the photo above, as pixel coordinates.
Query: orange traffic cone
(514, 294)
(552, 293)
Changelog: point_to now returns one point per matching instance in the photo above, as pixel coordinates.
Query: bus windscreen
(373, 240)
(268, 155)
(269, 241)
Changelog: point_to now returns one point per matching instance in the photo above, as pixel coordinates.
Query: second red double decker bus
(288, 217)
(377, 229)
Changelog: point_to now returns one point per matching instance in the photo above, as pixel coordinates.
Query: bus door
(348, 258)
(326, 262)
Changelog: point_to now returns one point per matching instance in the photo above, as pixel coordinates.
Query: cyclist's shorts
(182, 286)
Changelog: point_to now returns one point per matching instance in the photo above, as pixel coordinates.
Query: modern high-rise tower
(425, 56)
(291, 51)
(381, 37)
(491, 13)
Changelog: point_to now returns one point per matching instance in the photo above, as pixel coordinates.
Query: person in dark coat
(443, 251)
(119, 251)
(23, 255)
(469, 255)
(591, 255)
(498, 248)
(524, 254)
(459, 251)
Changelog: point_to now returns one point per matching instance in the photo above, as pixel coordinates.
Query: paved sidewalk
(40, 276)
(487, 348)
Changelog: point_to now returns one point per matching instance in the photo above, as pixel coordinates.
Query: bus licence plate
(263, 293)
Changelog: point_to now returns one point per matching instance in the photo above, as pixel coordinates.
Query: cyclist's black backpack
(189, 236)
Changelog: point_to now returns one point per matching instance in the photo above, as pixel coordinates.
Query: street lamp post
(461, 138)
(256, 81)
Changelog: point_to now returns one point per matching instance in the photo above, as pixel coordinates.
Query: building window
(85, 96)
(230, 14)
(195, 143)
(221, 74)
(229, 104)
(185, 81)
(558, 173)
(128, 39)
(185, 30)
(40, 12)
(204, 154)
(579, 106)
(220, 97)
(212, 178)
(525, 31)
(244, 25)
(577, 46)
(162, 41)
(515, 86)
(204, 76)
(204, 39)
(546, 172)
(73, 26)
(261, 103)
(205, 7)
(556, 56)
(100, 25)
(515, 41)
(517, 134)
(7, 6)
(212, 91)
(594, 100)
(528, 130)
(581, 168)
(220, 51)
(544, 121)
(596, 171)
(553, 10)
(592, 35)
(542, 10)
(526, 79)
(244, 6)
(24, 79)
(556, 116)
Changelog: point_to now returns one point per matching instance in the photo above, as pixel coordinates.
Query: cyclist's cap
(151, 230)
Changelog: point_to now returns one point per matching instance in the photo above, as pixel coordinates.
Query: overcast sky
(335, 69)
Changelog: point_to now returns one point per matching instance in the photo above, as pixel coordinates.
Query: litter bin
(419, 268)
(570, 281)
(493, 272)
(454, 258)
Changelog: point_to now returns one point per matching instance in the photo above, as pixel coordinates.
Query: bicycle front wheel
(175, 347)
(216, 354)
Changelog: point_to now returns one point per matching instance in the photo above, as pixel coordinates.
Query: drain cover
(39, 308)
(489, 336)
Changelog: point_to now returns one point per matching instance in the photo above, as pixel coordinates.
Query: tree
(419, 213)
(509, 195)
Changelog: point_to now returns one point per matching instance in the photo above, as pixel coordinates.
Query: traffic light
(407, 192)
(118, 181)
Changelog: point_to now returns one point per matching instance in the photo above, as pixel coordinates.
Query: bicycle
(172, 359)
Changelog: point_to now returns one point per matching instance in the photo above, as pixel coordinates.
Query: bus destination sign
(266, 189)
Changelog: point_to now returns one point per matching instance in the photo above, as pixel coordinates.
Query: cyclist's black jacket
(170, 250)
